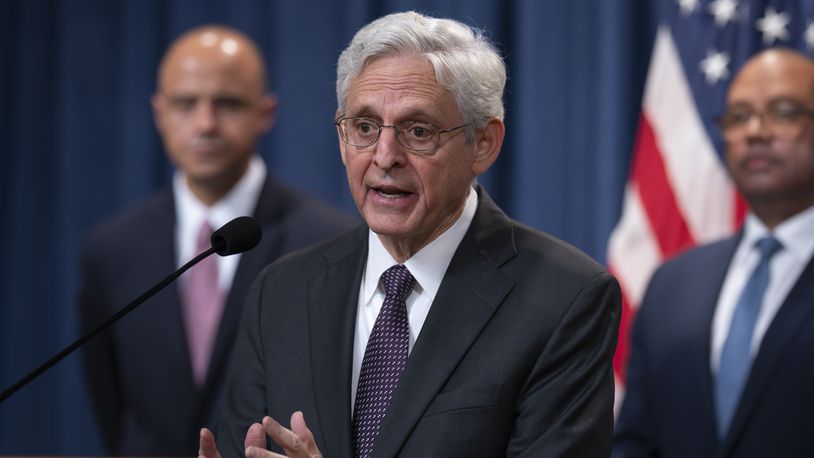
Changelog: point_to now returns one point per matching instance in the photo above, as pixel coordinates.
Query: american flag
(678, 194)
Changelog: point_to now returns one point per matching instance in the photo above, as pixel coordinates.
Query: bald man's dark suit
(138, 372)
(513, 358)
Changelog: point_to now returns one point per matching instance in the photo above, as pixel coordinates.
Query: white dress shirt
(427, 266)
(190, 213)
(796, 234)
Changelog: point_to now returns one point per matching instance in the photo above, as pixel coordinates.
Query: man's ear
(268, 112)
(488, 141)
(158, 104)
(342, 145)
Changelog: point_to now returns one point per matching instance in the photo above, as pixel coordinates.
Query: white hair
(465, 62)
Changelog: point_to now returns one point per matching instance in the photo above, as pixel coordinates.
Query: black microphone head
(239, 235)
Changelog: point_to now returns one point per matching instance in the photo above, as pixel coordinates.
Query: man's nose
(389, 152)
(206, 118)
(757, 126)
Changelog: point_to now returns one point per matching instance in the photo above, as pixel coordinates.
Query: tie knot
(204, 235)
(768, 246)
(398, 282)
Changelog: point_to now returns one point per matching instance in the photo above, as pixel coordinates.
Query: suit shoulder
(296, 208)
(550, 253)
(314, 257)
(695, 261)
(138, 220)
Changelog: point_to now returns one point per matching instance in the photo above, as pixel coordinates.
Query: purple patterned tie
(384, 361)
(203, 307)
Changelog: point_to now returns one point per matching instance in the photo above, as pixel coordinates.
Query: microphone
(239, 235)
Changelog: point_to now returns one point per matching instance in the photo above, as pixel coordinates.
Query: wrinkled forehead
(408, 80)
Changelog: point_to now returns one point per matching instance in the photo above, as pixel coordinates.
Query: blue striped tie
(736, 359)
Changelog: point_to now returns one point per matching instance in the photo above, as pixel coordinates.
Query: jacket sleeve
(98, 355)
(246, 394)
(566, 406)
(633, 435)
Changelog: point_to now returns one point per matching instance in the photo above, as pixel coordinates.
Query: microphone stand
(124, 311)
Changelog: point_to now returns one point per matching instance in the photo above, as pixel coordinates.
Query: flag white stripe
(698, 178)
(633, 249)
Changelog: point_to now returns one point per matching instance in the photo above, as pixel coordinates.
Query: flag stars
(687, 6)
(773, 26)
(714, 66)
(723, 10)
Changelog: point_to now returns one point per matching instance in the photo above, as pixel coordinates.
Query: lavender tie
(384, 361)
(203, 306)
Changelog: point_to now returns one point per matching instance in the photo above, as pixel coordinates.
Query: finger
(300, 428)
(285, 438)
(255, 437)
(261, 452)
(206, 445)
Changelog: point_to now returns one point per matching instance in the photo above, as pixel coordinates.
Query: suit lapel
(795, 312)
(333, 295)
(267, 212)
(472, 290)
(168, 309)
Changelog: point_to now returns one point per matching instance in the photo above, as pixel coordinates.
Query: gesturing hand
(295, 442)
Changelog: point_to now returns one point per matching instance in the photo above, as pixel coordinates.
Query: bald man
(724, 341)
(157, 376)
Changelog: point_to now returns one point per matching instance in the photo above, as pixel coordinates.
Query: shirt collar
(191, 213)
(429, 264)
(795, 233)
(240, 201)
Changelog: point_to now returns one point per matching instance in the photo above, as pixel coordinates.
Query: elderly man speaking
(443, 328)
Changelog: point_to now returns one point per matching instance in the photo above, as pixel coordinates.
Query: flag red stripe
(666, 220)
(740, 210)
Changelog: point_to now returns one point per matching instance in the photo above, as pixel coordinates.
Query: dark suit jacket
(139, 375)
(514, 357)
(669, 410)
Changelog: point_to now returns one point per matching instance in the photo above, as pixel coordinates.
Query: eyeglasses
(419, 137)
(783, 117)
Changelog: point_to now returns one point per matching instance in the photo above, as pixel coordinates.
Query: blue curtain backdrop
(77, 142)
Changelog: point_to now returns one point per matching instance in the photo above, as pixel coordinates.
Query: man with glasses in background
(723, 344)
(443, 328)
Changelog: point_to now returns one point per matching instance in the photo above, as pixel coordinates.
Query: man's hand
(296, 442)
(207, 448)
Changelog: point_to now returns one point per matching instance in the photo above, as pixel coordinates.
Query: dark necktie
(736, 358)
(384, 361)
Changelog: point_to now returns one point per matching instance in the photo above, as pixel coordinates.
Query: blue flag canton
(715, 37)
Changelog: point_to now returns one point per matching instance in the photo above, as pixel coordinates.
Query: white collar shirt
(191, 213)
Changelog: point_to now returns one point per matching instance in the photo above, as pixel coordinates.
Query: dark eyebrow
(177, 97)
(741, 105)
(738, 106)
(784, 99)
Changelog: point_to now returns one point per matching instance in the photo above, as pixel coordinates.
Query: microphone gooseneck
(239, 235)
